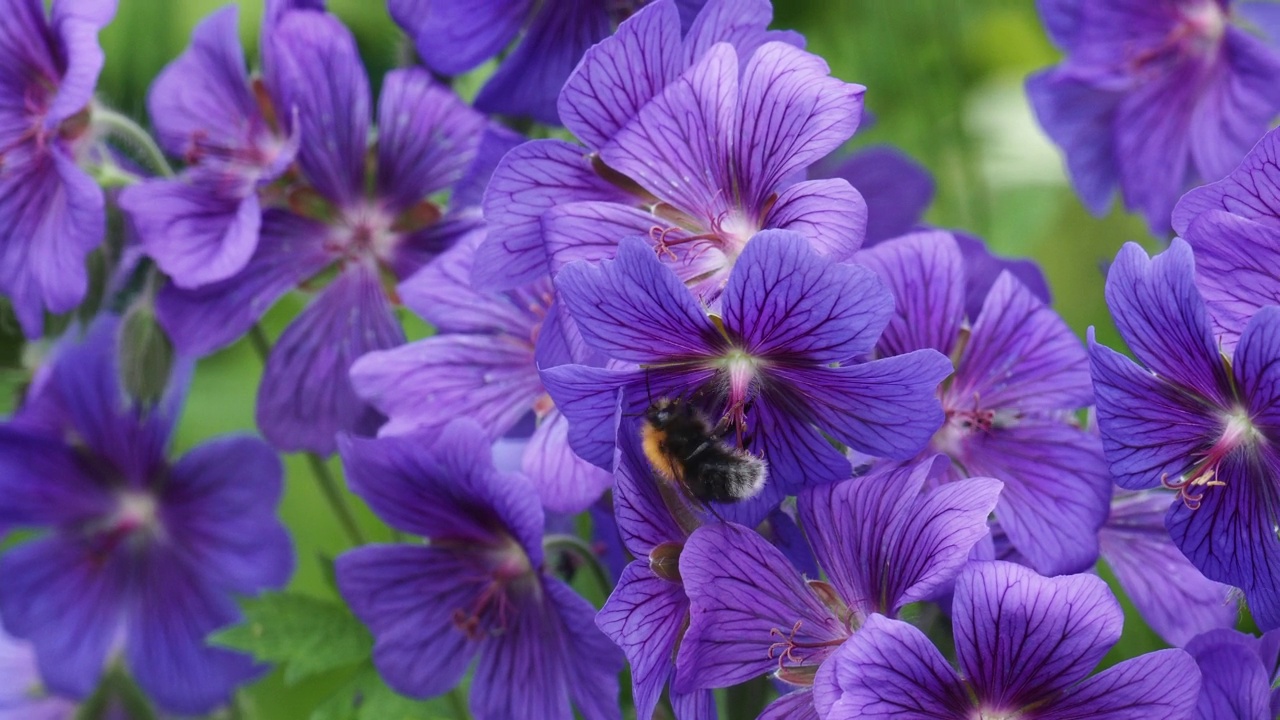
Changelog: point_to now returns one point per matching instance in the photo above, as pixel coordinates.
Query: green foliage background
(944, 83)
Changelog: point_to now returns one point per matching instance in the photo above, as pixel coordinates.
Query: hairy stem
(143, 147)
(580, 548)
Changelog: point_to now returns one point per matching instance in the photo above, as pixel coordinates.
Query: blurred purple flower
(455, 36)
(1195, 421)
(1154, 97)
(781, 362)
(22, 694)
(134, 557)
(694, 145)
(1236, 675)
(648, 612)
(1170, 593)
(426, 138)
(479, 588)
(51, 211)
(1233, 226)
(1021, 374)
(883, 541)
(483, 364)
(896, 188)
(1025, 645)
(203, 226)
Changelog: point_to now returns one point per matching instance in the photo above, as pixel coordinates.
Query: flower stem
(123, 127)
(328, 484)
(459, 704)
(579, 547)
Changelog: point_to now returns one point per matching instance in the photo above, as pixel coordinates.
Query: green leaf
(367, 697)
(306, 635)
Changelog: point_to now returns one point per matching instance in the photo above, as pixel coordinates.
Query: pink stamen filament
(786, 647)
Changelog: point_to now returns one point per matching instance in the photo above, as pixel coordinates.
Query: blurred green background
(944, 81)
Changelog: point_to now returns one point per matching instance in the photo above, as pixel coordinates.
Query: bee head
(662, 411)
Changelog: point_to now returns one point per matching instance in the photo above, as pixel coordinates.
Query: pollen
(1237, 431)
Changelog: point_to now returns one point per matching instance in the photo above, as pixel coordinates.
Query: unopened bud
(145, 355)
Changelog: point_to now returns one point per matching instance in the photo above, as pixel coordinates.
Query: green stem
(123, 127)
(319, 468)
(459, 704)
(579, 547)
(746, 701)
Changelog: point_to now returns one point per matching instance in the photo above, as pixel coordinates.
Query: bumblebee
(686, 449)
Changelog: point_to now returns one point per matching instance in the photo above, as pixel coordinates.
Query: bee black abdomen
(724, 474)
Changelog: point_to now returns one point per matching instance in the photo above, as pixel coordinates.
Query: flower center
(1204, 24)
(136, 518)
(365, 233)
(989, 714)
(1237, 431)
(961, 423)
(507, 568)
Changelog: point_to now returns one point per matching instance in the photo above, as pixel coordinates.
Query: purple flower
(204, 226)
(455, 36)
(1020, 376)
(483, 364)
(22, 695)
(1195, 421)
(51, 211)
(884, 543)
(694, 145)
(1154, 97)
(134, 557)
(780, 362)
(896, 188)
(426, 138)
(648, 611)
(1233, 226)
(479, 589)
(1025, 646)
(1235, 675)
(1173, 597)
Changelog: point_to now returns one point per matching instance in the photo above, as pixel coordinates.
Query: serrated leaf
(306, 635)
(367, 697)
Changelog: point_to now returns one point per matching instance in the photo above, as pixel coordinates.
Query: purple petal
(1056, 490)
(589, 398)
(1135, 689)
(897, 190)
(1155, 144)
(77, 23)
(645, 616)
(635, 309)
(407, 595)
(742, 23)
(1230, 536)
(830, 214)
(565, 482)
(289, 250)
(1077, 115)
(316, 72)
(644, 519)
(68, 601)
(795, 705)
(52, 215)
(1256, 373)
(172, 610)
(443, 295)
(884, 545)
(742, 592)
(520, 672)
(1162, 317)
(44, 483)
(622, 73)
(925, 272)
(792, 114)
(886, 408)
(590, 232)
(676, 147)
(787, 302)
(1233, 680)
(592, 661)
(1022, 355)
(421, 386)
(453, 36)
(531, 179)
(799, 455)
(421, 247)
(306, 396)
(529, 80)
(445, 491)
(1234, 105)
(1022, 638)
(23, 696)
(426, 137)
(220, 502)
(1173, 597)
(1150, 429)
(1251, 191)
(889, 669)
(1061, 18)
(496, 141)
(982, 269)
(196, 235)
(1236, 261)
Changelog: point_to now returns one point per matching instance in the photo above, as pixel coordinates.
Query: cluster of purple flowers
(945, 458)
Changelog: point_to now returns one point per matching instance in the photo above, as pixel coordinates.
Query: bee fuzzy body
(685, 449)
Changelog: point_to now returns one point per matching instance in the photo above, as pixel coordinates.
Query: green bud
(145, 354)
